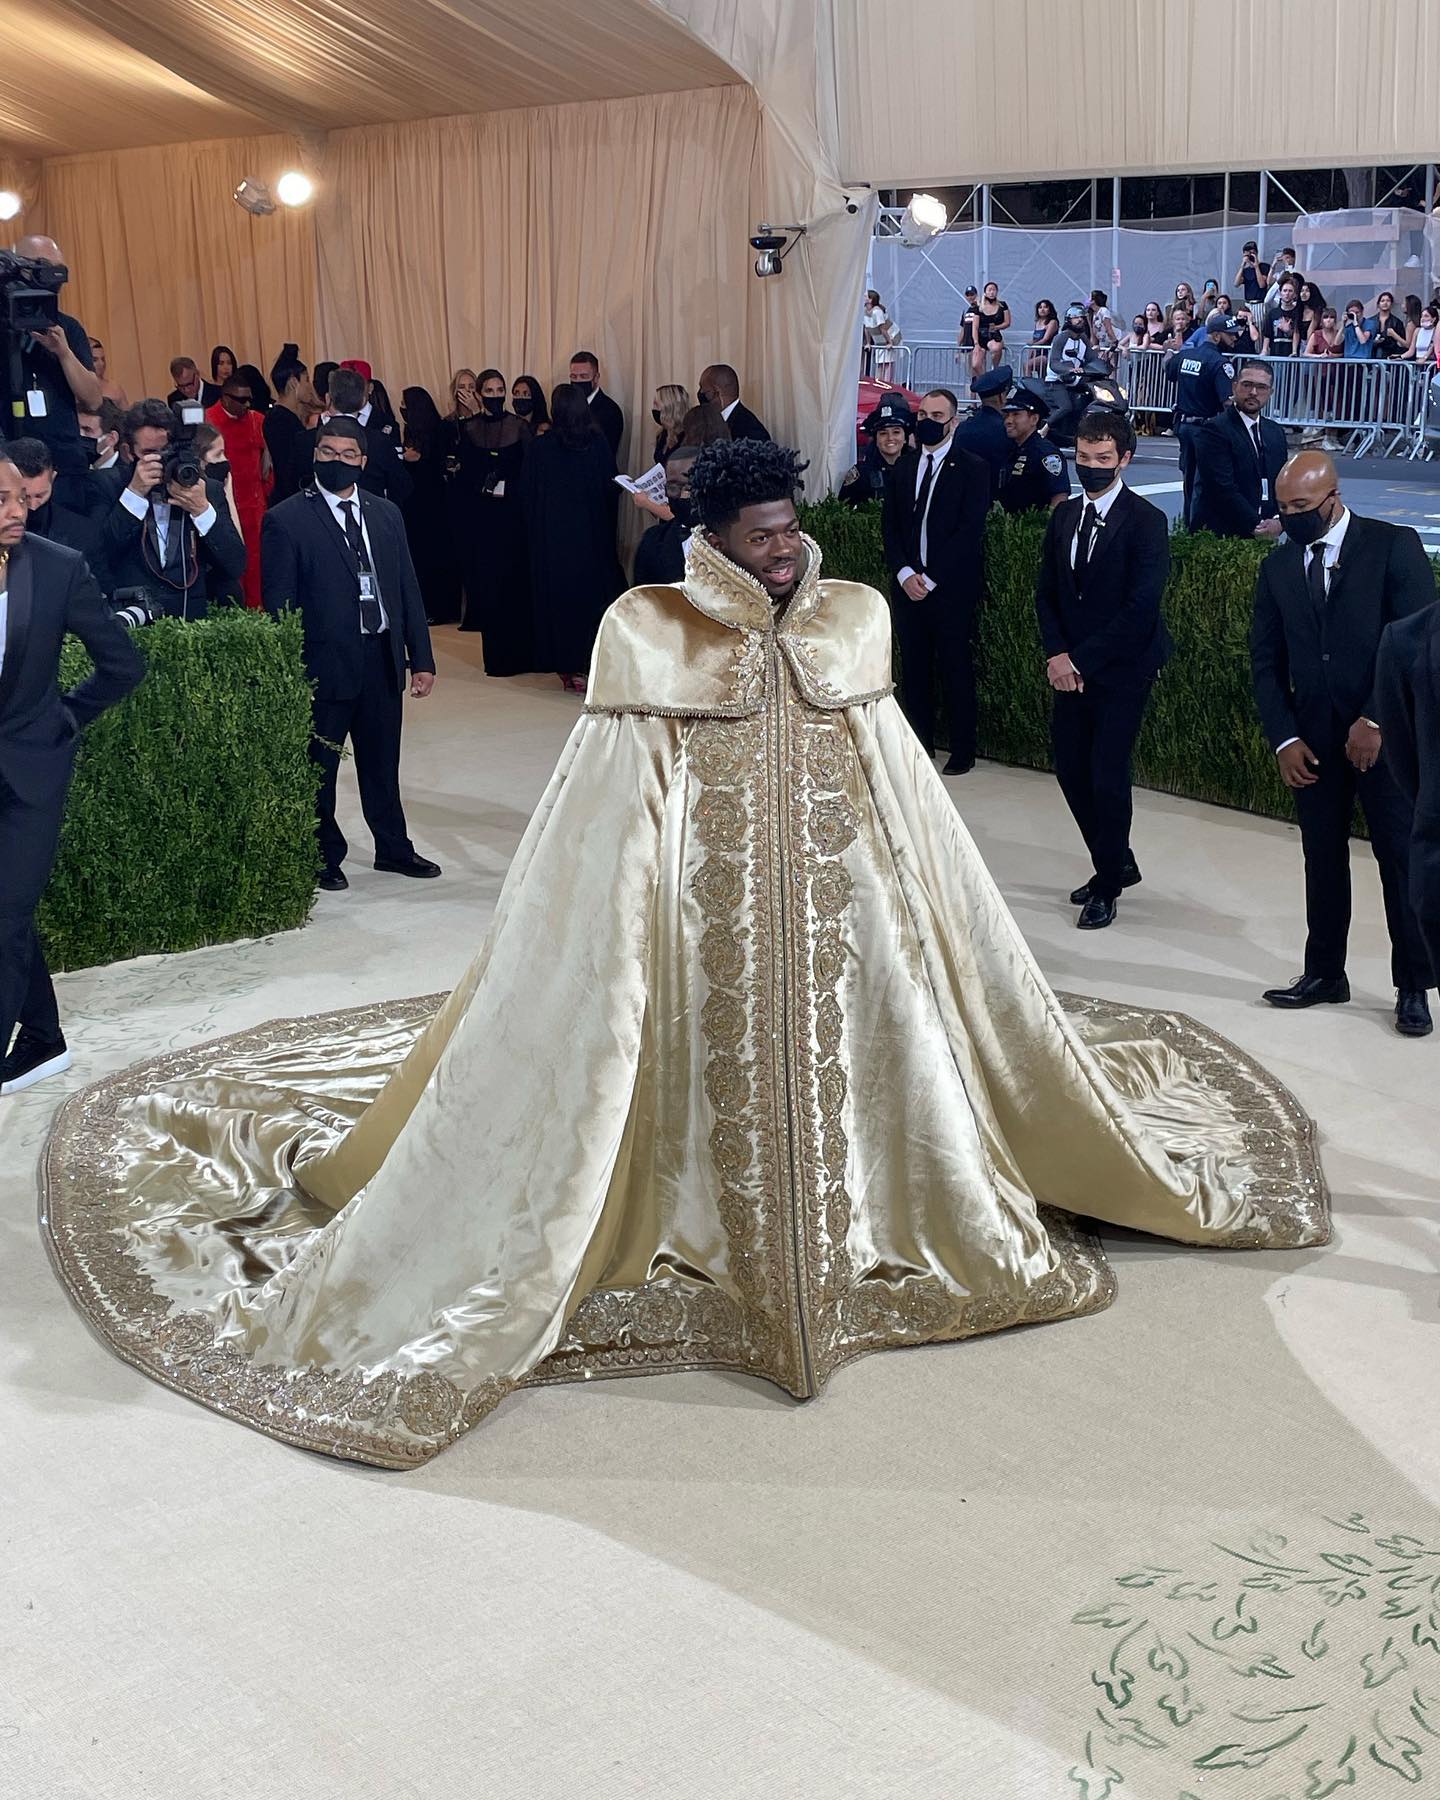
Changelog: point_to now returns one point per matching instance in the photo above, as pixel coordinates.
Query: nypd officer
(983, 434)
(1202, 375)
(888, 429)
(1038, 477)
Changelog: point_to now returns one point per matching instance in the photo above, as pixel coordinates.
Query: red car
(872, 392)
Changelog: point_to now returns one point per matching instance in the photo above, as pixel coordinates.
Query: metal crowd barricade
(1374, 406)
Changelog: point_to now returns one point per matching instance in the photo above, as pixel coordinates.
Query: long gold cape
(754, 1071)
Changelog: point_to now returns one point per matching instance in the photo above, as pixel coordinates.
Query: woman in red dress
(250, 474)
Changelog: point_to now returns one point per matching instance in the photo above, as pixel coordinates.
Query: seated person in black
(175, 542)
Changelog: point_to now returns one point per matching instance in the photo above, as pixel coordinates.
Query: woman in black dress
(489, 445)
(527, 402)
(426, 509)
(568, 497)
(288, 424)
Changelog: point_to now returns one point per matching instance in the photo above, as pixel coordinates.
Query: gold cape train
(753, 1071)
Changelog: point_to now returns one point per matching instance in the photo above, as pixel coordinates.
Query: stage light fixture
(254, 196)
(293, 188)
(924, 218)
(10, 204)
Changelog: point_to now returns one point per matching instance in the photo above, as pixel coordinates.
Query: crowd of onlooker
(1278, 309)
(507, 488)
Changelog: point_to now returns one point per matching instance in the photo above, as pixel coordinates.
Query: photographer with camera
(49, 518)
(47, 353)
(168, 531)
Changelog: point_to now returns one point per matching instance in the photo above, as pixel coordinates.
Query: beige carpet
(688, 1587)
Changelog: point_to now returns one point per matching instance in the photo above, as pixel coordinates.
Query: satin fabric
(753, 1071)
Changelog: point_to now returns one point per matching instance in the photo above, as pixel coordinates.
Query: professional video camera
(29, 291)
(136, 606)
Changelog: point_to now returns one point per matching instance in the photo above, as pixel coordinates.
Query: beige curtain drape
(512, 239)
(941, 91)
(162, 262)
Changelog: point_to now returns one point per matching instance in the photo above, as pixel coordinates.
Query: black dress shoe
(1310, 990)
(1412, 1013)
(333, 881)
(956, 767)
(31, 1060)
(1130, 878)
(1097, 913)
(416, 867)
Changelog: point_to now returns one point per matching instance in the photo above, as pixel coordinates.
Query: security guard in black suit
(983, 434)
(888, 429)
(1238, 456)
(1038, 479)
(1202, 374)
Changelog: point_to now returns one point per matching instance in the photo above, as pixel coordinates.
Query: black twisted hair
(743, 472)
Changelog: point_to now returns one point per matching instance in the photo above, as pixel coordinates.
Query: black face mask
(494, 404)
(655, 414)
(335, 477)
(684, 511)
(1305, 527)
(522, 407)
(217, 471)
(583, 386)
(1094, 481)
(929, 432)
(703, 397)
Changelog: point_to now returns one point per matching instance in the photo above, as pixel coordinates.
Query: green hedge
(191, 819)
(1202, 734)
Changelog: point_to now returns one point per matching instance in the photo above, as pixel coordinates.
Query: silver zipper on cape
(787, 1020)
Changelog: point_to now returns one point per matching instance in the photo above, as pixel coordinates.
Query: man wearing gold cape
(753, 1071)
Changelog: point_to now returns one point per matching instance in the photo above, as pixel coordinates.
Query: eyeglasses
(352, 454)
(241, 399)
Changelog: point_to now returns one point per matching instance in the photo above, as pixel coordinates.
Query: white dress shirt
(363, 416)
(4, 614)
(929, 458)
(1327, 547)
(1102, 504)
(140, 506)
(335, 502)
(725, 411)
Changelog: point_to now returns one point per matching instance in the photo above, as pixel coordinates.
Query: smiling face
(764, 541)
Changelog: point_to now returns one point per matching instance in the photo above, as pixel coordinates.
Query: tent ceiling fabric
(80, 75)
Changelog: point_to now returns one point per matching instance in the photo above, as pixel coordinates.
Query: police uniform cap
(1023, 400)
(890, 411)
(996, 381)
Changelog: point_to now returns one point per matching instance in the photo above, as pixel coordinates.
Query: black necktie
(922, 500)
(355, 537)
(1254, 431)
(1316, 575)
(1085, 540)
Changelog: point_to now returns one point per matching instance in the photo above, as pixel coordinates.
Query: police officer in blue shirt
(1202, 375)
(1038, 477)
(888, 429)
(983, 434)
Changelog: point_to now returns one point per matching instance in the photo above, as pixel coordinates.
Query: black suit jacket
(1314, 671)
(609, 420)
(76, 531)
(307, 564)
(744, 424)
(1113, 631)
(52, 592)
(131, 551)
(1407, 692)
(1229, 499)
(955, 529)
